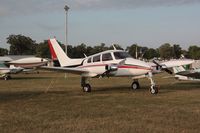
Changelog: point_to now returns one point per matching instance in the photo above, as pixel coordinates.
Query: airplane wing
(65, 69)
(174, 63)
(190, 73)
(157, 67)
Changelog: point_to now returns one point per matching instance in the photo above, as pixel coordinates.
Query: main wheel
(135, 85)
(87, 88)
(154, 89)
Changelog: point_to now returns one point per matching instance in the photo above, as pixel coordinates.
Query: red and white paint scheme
(109, 63)
(27, 63)
(105, 64)
(21, 65)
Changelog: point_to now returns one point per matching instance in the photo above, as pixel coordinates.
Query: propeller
(162, 68)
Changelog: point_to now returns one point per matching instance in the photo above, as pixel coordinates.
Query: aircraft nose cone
(139, 64)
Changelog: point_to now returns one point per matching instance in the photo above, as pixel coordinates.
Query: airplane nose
(139, 64)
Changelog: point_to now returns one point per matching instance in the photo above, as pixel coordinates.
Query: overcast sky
(145, 22)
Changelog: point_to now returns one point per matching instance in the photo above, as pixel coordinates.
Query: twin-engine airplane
(111, 63)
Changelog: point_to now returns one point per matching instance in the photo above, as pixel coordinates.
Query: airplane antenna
(85, 55)
(114, 47)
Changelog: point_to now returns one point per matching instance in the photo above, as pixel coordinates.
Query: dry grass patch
(111, 107)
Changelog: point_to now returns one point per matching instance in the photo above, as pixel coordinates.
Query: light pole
(66, 29)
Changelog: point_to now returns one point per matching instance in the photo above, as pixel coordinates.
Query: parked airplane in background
(29, 63)
(183, 74)
(111, 63)
(6, 71)
(21, 65)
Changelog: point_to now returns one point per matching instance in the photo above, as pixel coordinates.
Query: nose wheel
(154, 89)
(87, 88)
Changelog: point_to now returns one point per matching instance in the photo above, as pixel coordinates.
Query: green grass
(47, 102)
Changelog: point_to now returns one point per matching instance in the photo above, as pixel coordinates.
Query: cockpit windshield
(121, 55)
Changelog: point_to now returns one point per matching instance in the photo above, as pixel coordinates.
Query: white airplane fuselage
(110, 63)
(123, 67)
(28, 63)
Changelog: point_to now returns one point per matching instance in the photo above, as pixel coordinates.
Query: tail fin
(61, 56)
(53, 54)
(178, 69)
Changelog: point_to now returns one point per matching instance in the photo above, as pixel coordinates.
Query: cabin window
(96, 58)
(121, 55)
(89, 60)
(106, 57)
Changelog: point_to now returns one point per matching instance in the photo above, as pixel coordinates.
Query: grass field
(49, 103)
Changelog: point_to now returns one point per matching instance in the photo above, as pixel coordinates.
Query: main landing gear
(7, 77)
(85, 84)
(135, 85)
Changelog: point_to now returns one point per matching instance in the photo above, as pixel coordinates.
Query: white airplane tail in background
(63, 59)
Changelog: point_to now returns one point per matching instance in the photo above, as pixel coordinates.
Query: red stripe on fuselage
(134, 67)
(97, 65)
(122, 66)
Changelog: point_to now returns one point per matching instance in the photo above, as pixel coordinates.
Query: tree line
(23, 45)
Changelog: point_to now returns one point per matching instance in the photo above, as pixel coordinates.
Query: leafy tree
(185, 53)
(177, 51)
(3, 51)
(151, 53)
(194, 52)
(21, 45)
(165, 51)
(140, 50)
(132, 50)
(43, 50)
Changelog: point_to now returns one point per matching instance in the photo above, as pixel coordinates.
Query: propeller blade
(165, 69)
(157, 63)
(168, 71)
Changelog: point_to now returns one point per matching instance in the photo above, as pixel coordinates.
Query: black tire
(154, 90)
(87, 88)
(135, 85)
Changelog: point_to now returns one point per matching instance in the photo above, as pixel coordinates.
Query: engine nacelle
(112, 67)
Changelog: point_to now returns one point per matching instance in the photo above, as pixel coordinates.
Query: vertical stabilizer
(53, 54)
(63, 59)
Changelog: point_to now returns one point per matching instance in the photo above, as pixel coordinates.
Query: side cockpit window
(89, 60)
(96, 58)
(107, 57)
(121, 55)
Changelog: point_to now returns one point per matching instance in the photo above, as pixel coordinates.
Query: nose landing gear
(153, 88)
